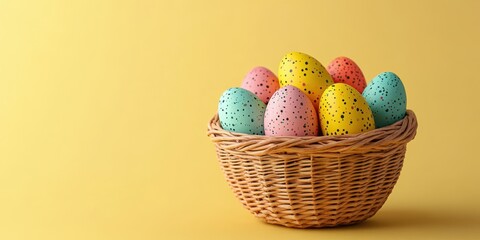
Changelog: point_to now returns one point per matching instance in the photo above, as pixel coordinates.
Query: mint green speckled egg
(241, 111)
(387, 99)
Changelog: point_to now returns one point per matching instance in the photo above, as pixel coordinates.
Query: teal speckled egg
(387, 99)
(239, 110)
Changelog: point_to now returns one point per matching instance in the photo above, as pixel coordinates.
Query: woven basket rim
(400, 132)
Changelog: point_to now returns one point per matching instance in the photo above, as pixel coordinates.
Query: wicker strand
(314, 181)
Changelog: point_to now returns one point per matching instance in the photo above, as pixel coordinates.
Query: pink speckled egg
(345, 70)
(262, 82)
(290, 113)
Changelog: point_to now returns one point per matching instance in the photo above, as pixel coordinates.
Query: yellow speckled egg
(343, 110)
(306, 73)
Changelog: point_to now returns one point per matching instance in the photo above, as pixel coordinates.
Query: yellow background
(104, 107)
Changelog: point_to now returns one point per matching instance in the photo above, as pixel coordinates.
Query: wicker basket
(311, 182)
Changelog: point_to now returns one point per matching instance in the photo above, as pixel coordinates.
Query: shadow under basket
(314, 181)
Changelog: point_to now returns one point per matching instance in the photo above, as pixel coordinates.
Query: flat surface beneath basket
(393, 222)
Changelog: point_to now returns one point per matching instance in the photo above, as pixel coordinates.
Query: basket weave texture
(315, 181)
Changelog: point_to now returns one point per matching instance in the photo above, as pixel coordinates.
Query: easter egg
(239, 110)
(290, 113)
(306, 73)
(345, 70)
(262, 82)
(343, 110)
(386, 96)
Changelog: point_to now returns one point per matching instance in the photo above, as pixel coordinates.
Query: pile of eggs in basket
(308, 100)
